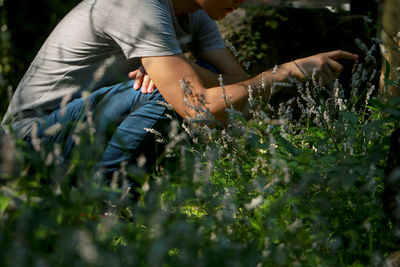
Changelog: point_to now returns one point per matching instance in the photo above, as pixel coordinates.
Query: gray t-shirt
(96, 45)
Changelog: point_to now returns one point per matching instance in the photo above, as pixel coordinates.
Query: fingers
(330, 68)
(132, 74)
(325, 64)
(336, 67)
(138, 81)
(327, 74)
(148, 85)
(340, 54)
(151, 87)
(138, 75)
(142, 80)
(145, 84)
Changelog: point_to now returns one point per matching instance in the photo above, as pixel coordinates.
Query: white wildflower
(199, 110)
(187, 130)
(160, 140)
(85, 247)
(49, 159)
(295, 225)
(367, 19)
(141, 161)
(327, 118)
(165, 104)
(250, 99)
(76, 138)
(232, 48)
(338, 100)
(146, 187)
(114, 180)
(224, 94)
(370, 55)
(64, 102)
(263, 82)
(396, 38)
(371, 89)
(153, 131)
(275, 70)
(361, 45)
(247, 65)
(254, 203)
(53, 129)
(35, 140)
(186, 87)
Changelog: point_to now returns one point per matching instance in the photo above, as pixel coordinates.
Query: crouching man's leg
(141, 127)
(121, 117)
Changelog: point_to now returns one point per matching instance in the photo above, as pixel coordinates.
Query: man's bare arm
(221, 59)
(168, 72)
(225, 63)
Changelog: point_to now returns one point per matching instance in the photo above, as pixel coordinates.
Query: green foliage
(5, 66)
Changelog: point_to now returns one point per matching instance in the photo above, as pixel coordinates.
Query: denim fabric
(127, 112)
(120, 115)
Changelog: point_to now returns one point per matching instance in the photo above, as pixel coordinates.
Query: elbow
(196, 108)
(206, 114)
(195, 103)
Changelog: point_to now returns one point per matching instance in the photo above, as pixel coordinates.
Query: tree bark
(389, 34)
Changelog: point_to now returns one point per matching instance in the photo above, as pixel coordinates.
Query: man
(100, 41)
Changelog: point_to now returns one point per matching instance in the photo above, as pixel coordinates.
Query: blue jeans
(127, 112)
(119, 111)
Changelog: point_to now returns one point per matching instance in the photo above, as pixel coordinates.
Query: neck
(184, 6)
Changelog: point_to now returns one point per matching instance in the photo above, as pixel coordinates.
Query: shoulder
(120, 7)
(126, 14)
(200, 20)
(201, 16)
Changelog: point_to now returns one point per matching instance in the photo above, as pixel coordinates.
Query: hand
(325, 66)
(142, 80)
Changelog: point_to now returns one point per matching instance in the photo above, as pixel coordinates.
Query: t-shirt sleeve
(206, 35)
(140, 28)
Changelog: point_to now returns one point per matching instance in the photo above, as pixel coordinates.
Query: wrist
(286, 71)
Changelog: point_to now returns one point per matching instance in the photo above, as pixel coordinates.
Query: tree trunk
(389, 34)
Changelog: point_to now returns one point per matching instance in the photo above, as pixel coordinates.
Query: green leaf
(328, 159)
(287, 145)
(351, 131)
(378, 104)
(393, 112)
(372, 108)
(348, 180)
(351, 117)
(4, 203)
(394, 101)
(256, 225)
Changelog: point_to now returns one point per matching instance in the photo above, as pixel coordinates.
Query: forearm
(211, 79)
(204, 95)
(218, 98)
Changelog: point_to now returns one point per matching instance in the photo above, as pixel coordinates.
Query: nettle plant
(298, 184)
